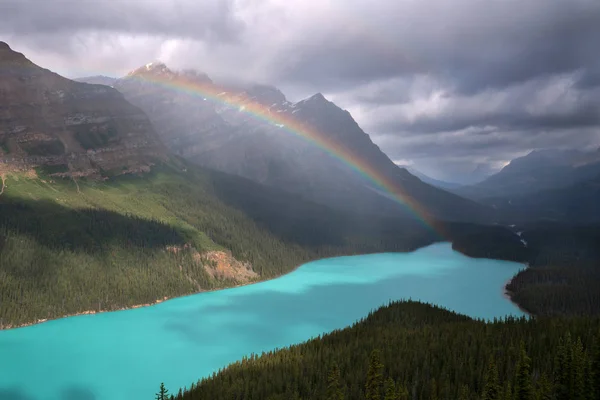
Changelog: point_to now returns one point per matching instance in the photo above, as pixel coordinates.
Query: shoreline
(156, 302)
(506, 294)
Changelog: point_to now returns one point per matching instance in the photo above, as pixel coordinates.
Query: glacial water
(125, 355)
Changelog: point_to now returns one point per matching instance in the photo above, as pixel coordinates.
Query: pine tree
(589, 388)
(390, 390)
(334, 390)
(561, 370)
(402, 392)
(491, 388)
(507, 395)
(544, 389)
(163, 393)
(523, 387)
(578, 371)
(433, 390)
(464, 393)
(374, 377)
(595, 370)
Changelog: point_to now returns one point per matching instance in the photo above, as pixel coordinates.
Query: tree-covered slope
(75, 246)
(426, 353)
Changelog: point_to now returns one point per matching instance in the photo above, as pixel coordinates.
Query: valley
(184, 339)
(211, 234)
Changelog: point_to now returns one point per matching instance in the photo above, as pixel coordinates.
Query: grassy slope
(65, 250)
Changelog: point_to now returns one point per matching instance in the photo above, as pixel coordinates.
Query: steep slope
(246, 131)
(71, 127)
(135, 239)
(539, 170)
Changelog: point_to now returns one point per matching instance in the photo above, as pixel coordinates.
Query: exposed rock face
(196, 119)
(73, 127)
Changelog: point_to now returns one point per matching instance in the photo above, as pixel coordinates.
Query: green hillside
(68, 247)
(410, 350)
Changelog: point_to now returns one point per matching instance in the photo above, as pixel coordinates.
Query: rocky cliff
(69, 127)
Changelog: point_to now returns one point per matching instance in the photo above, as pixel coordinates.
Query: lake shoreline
(156, 302)
(506, 294)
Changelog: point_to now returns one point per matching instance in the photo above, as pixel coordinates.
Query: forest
(68, 248)
(411, 350)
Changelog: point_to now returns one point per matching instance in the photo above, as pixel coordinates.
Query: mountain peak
(154, 67)
(10, 56)
(317, 97)
(266, 94)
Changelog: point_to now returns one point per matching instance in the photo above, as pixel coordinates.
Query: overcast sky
(450, 86)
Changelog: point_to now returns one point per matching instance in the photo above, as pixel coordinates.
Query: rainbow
(287, 122)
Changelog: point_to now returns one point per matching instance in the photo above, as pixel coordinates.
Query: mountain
(97, 80)
(116, 239)
(67, 126)
(538, 170)
(431, 181)
(578, 203)
(256, 133)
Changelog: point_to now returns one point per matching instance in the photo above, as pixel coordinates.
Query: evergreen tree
(507, 395)
(334, 390)
(491, 388)
(433, 390)
(374, 377)
(577, 371)
(561, 369)
(589, 388)
(595, 370)
(523, 387)
(464, 393)
(390, 390)
(544, 389)
(402, 392)
(163, 393)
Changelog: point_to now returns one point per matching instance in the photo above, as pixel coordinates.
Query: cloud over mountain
(448, 85)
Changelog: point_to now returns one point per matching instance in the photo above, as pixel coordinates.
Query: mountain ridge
(222, 136)
(543, 169)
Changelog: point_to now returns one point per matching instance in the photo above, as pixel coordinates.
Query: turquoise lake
(125, 355)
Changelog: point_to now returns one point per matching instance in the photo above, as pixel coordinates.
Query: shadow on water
(265, 313)
(13, 394)
(77, 393)
(67, 393)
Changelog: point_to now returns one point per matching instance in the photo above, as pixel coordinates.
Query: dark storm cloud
(179, 18)
(586, 114)
(470, 45)
(453, 85)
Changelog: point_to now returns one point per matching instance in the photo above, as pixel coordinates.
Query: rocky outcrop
(48, 120)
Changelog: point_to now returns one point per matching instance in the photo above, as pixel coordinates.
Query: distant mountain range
(537, 171)
(431, 181)
(246, 131)
(578, 203)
